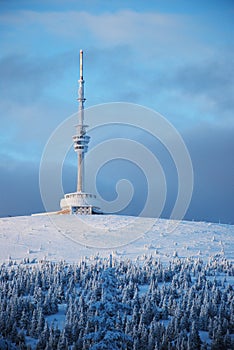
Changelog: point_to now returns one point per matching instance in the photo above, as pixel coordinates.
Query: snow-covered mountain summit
(68, 237)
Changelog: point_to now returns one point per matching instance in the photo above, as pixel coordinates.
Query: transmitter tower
(79, 202)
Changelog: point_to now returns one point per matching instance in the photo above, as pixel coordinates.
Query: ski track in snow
(69, 237)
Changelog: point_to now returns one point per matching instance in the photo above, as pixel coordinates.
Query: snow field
(69, 237)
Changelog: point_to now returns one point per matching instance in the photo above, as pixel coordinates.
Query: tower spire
(81, 64)
(81, 99)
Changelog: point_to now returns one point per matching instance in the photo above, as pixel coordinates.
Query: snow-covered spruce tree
(6, 345)
(194, 341)
(34, 323)
(43, 338)
(105, 333)
(218, 339)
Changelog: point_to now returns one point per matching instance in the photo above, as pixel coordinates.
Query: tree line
(118, 304)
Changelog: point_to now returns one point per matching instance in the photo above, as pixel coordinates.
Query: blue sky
(175, 57)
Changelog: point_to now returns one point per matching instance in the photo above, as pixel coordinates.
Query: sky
(174, 57)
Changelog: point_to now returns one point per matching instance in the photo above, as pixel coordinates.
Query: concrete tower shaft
(81, 140)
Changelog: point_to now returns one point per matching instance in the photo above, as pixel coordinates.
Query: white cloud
(147, 33)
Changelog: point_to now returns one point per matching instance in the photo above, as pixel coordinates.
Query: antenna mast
(81, 140)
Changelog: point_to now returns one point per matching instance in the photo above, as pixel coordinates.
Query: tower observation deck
(80, 202)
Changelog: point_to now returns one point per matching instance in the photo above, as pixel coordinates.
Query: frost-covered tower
(80, 202)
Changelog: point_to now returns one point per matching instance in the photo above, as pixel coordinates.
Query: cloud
(148, 33)
(211, 149)
(19, 188)
(25, 78)
(31, 106)
(192, 92)
(138, 54)
(213, 79)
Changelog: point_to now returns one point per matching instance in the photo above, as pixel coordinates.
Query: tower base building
(79, 203)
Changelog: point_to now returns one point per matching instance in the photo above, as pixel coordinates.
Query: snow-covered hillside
(65, 237)
(115, 282)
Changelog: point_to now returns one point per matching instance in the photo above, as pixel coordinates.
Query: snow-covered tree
(107, 335)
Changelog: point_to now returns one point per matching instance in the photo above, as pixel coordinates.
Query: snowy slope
(129, 301)
(65, 237)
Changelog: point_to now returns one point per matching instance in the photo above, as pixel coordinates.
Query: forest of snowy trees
(119, 304)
